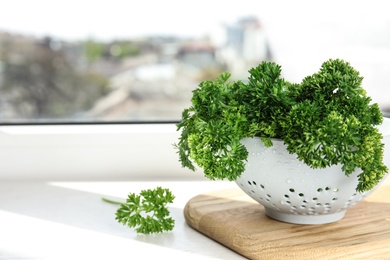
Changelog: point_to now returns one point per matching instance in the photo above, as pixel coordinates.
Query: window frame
(114, 151)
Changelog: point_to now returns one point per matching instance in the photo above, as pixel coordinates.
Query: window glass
(123, 60)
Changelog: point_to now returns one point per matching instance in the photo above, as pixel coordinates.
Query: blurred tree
(122, 49)
(93, 50)
(39, 82)
(209, 73)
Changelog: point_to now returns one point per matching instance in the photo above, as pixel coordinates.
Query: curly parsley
(325, 120)
(147, 212)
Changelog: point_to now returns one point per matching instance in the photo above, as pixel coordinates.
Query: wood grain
(233, 219)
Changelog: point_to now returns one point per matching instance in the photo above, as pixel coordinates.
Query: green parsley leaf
(325, 120)
(146, 212)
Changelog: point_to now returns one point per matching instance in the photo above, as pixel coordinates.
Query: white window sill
(41, 220)
(68, 220)
(90, 152)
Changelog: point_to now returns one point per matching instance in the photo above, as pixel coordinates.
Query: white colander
(291, 191)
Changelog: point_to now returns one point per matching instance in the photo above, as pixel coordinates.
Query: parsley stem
(111, 201)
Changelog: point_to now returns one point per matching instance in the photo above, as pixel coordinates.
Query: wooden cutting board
(233, 219)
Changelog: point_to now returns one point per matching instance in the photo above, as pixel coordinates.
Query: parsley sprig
(327, 119)
(146, 212)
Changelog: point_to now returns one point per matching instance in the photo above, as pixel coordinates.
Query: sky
(302, 33)
(116, 18)
(121, 18)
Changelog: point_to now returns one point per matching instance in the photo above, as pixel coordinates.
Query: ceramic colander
(293, 192)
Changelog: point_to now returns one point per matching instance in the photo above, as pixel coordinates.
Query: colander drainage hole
(254, 183)
(328, 189)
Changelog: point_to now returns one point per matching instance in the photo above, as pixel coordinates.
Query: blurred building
(199, 54)
(245, 46)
